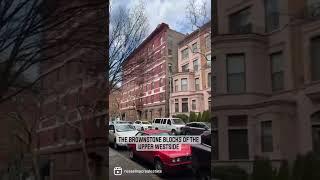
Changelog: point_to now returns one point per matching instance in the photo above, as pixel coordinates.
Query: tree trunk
(35, 165)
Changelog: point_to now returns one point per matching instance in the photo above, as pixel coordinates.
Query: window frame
(244, 72)
(197, 85)
(276, 73)
(266, 147)
(193, 104)
(184, 85)
(185, 101)
(183, 56)
(196, 65)
(313, 74)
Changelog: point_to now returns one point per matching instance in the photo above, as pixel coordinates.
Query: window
(208, 57)
(208, 42)
(161, 40)
(315, 121)
(185, 54)
(195, 65)
(157, 121)
(163, 121)
(209, 80)
(169, 51)
(209, 103)
(152, 46)
(197, 84)
(236, 73)
(152, 85)
(176, 85)
(176, 105)
(161, 96)
(266, 136)
(184, 84)
(239, 22)
(277, 71)
(238, 144)
(152, 97)
(194, 105)
(194, 47)
(160, 82)
(271, 15)
(184, 104)
(315, 56)
(185, 68)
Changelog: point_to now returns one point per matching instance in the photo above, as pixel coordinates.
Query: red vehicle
(166, 161)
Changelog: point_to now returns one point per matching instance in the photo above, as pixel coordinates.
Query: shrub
(262, 169)
(206, 116)
(199, 117)
(183, 117)
(229, 173)
(193, 117)
(297, 169)
(283, 173)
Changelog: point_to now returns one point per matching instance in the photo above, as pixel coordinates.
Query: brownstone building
(147, 72)
(267, 71)
(72, 133)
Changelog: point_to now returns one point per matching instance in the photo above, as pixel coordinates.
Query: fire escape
(139, 94)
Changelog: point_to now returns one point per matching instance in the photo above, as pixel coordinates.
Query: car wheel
(158, 165)
(173, 131)
(156, 128)
(115, 145)
(131, 154)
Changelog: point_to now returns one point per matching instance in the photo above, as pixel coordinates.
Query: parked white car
(142, 125)
(117, 130)
(174, 125)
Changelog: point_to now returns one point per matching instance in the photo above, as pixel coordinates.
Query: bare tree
(198, 17)
(26, 118)
(128, 28)
(115, 103)
(37, 31)
(197, 14)
(86, 109)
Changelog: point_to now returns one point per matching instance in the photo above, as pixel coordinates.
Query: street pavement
(120, 158)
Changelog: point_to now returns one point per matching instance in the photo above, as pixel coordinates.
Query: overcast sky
(172, 12)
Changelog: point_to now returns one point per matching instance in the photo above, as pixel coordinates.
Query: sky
(172, 12)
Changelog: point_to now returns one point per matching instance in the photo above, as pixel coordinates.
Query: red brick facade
(145, 85)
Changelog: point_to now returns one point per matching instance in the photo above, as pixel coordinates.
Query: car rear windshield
(124, 127)
(177, 121)
(145, 122)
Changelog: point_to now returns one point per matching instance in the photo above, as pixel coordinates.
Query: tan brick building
(192, 82)
(146, 85)
(267, 80)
